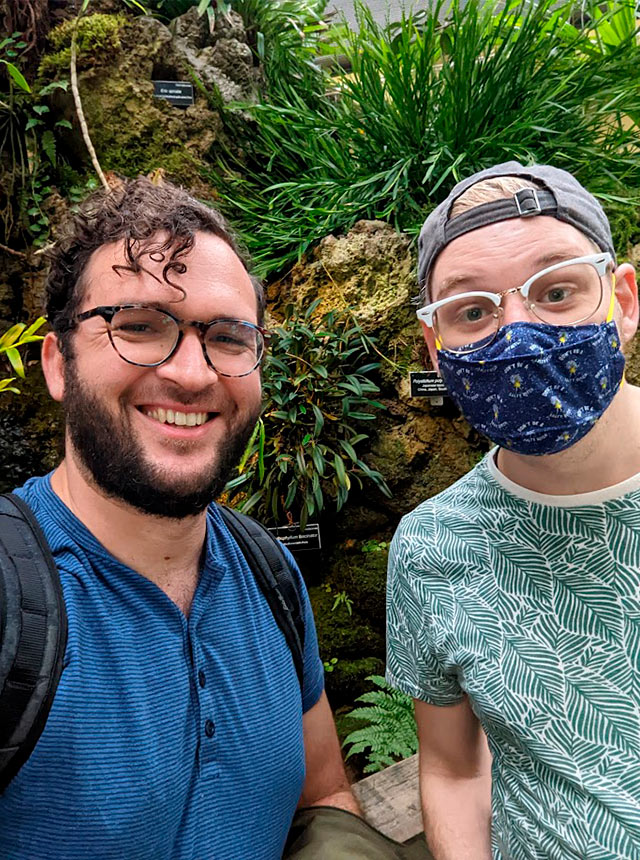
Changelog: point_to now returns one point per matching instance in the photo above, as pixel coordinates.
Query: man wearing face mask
(514, 596)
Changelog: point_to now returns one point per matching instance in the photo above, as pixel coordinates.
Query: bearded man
(179, 728)
(514, 596)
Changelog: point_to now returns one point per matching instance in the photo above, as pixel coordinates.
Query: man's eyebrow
(456, 283)
(154, 304)
(553, 257)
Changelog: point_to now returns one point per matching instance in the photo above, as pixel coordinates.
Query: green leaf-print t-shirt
(530, 604)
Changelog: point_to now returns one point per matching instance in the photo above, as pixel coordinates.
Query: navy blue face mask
(537, 388)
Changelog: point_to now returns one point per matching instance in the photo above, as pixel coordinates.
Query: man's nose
(188, 367)
(514, 309)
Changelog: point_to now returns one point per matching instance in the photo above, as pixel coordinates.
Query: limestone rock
(371, 269)
(221, 59)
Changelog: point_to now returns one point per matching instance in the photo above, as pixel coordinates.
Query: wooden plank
(390, 800)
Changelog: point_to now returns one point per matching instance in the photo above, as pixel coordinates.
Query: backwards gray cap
(562, 197)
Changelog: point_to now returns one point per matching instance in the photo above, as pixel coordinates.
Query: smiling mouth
(180, 419)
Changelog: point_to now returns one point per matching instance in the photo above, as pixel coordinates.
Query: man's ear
(627, 300)
(53, 366)
(430, 340)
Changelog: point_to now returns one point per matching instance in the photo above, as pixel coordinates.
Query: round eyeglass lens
(234, 347)
(566, 296)
(143, 335)
(469, 321)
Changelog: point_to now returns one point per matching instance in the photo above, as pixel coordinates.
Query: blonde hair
(488, 190)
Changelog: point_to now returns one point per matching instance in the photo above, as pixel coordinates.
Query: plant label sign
(297, 539)
(427, 383)
(179, 93)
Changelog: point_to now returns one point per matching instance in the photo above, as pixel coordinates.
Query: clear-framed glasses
(148, 337)
(565, 294)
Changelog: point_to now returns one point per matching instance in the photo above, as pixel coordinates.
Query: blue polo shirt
(170, 738)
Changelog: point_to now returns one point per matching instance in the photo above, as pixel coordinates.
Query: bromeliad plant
(319, 395)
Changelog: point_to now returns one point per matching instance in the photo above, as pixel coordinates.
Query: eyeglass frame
(107, 312)
(600, 262)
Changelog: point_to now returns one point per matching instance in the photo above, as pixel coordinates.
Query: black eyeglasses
(149, 336)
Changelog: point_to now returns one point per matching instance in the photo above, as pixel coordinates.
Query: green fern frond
(390, 734)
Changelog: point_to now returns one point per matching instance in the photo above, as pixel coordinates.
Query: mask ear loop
(610, 314)
(613, 298)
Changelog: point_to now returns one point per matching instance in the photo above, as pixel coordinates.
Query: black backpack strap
(33, 634)
(278, 584)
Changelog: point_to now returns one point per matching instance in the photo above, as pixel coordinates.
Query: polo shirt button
(209, 728)
(202, 678)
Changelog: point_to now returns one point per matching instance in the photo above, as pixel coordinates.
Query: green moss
(363, 576)
(342, 635)
(97, 38)
(142, 150)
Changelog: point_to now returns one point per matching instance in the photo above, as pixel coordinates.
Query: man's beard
(114, 458)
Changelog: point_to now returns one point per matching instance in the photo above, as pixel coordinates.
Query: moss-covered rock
(362, 577)
(132, 131)
(97, 44)
(342, 634)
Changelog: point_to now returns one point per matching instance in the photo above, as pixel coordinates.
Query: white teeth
(181, 419)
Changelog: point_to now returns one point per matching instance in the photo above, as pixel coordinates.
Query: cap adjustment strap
(524, 203)
(527, 202)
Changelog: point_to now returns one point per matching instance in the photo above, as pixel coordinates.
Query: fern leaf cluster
(390, 733)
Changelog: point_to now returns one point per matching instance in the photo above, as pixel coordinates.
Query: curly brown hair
(136, 211)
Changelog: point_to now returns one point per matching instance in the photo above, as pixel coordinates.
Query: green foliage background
(427, 102)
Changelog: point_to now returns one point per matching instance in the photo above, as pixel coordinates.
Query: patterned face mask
(537, 388)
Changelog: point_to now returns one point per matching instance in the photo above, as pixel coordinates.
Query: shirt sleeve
(313, 669)
(419, 598)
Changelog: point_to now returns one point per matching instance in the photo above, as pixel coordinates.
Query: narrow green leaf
(33, 328)
(11, 336)
(17, 76)
(318, 460)
(349, 449)
(249, 451)
(250, 503)
(319, 420)
(261, 445)
(340, 471)
(302, 466)
(291, 494)
(5, 383)
(16, 361)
